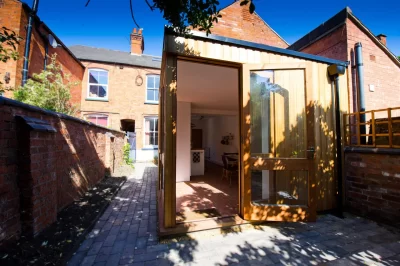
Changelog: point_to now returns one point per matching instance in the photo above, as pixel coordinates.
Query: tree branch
(87, 3)
(133, 17)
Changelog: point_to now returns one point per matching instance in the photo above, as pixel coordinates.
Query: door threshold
(205, 219)
(204, 224)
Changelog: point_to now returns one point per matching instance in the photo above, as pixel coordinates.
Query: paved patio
(126, 235)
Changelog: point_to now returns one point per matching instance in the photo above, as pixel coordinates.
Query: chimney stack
(137, 41)
(382, 38)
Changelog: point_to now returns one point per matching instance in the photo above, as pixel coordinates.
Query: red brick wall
(373, 186)
(379, 69)
(333, 45)
(238, 23)
(382, 72)
(17, 22)
(42, 172)
(126, 99)
(10, 17)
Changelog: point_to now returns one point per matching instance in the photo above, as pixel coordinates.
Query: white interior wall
(214, 128)
(183, 133)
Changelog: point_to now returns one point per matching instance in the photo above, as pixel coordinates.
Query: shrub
(50, 89)
(126, 158)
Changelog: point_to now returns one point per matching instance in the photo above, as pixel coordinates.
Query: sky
(108, 23)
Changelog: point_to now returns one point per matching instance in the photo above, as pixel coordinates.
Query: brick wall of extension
(14, 16)
(372, 185)
(43, 172)
(379, 69)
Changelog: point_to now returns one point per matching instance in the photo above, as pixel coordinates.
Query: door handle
(310, 152)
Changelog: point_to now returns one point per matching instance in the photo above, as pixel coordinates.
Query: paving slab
(126, 235)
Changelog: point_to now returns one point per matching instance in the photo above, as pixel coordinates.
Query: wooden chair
(230, 168)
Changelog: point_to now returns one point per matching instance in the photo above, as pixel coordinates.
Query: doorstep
(201, 225)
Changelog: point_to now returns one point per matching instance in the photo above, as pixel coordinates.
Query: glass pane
(102, 91)
(102, 121)
(92, 119)
(157, 82)
(156, 95)
(156, 121)
(156, 138)
(150, 82)
(277, 108)
(152, 125)
(152, 142)
(150, 95)
(93, 91)
(93, 76)
(279, 187)
(103, 77)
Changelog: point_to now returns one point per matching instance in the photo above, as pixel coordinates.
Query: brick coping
(14, 103)
(372, 150)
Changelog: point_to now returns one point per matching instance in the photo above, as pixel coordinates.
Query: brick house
(336, 39)
(238, 23)
(14, 16)
(120, 91)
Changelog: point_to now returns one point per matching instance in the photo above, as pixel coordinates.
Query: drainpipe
(361, 94)
(32, 14)
(46, 52)
(334, 72)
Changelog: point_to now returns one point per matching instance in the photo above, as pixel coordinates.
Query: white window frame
(97, 116)
(158, 89)
(144, 132)
(98, 84)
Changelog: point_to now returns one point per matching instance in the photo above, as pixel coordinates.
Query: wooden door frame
(169, 90)
(282, 212)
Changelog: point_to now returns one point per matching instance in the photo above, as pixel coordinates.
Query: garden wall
(372, 186)
(48, 160)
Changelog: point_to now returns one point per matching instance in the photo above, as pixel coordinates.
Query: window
(98, 84)
(153, 83)
(150, 132)
(101, 120)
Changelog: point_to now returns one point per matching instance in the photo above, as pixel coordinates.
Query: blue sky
(108, 23)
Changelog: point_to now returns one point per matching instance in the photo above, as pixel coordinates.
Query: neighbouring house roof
(115, 57)
(334, 23)
(256, 46)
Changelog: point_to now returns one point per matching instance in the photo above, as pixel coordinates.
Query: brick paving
(126, 234)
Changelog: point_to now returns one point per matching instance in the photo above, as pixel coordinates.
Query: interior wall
(183, 141)
(214, 128)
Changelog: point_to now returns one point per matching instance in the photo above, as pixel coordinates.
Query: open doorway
(208, 142)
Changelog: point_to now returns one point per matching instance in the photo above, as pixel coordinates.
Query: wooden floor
(208, 192)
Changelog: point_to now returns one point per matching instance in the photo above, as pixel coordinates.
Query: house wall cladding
(15, 17)
(43, 172)
(372, 186)
(126, 99)
(238, 23)
(379, 69)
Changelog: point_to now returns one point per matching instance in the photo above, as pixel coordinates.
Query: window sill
(153, 103)
(95, 99)
(149, 148)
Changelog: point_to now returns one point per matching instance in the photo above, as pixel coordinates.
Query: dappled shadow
(208, 192)
(282, 129)
(352, 240)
